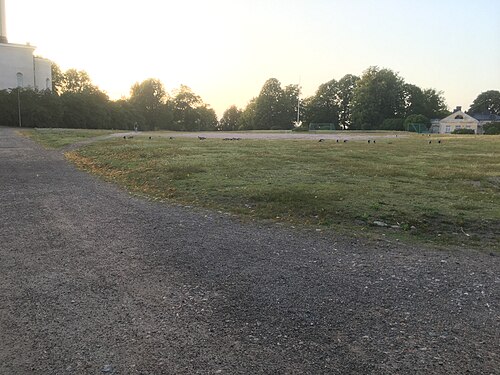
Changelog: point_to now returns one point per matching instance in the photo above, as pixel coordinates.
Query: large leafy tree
(247, 119)
(57, 78)
(269, 105)
(230, 118)
(324, 105)
(378, 95)
(413, 99)
(275, 107)
(190, 113)
(77, 81)
(149, 98)
(346, 86)
(486, 102)
(435, 104)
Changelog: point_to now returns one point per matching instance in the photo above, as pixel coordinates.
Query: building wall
(458, 120)
(18, 59)
(43, 74)
(450, 126)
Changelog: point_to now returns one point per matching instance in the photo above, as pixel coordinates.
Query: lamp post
(19, 105)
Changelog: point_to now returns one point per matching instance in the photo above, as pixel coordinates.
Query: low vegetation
(59, 138)
(409, 188)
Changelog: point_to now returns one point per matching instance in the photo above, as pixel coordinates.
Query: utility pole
(19, 106)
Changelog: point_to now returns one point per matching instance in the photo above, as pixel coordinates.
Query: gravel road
(95, 281)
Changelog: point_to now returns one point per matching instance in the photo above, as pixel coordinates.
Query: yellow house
(458, 120)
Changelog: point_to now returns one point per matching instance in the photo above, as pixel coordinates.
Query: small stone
(380, 223)
(107, 369)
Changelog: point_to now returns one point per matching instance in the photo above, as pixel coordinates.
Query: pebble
(107, 369)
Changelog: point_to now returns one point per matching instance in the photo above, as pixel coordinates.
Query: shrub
(492, 128)
(419, 120)
(392, 124)
(463, 131)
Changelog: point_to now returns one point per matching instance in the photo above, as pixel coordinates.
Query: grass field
(446, 193)
(59, 138)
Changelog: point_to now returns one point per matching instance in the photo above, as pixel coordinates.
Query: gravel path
(94, 281)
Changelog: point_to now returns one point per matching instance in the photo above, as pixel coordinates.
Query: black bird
(171, 138)
(201, 138)
(345, 140)
(321, 140)
(337, 141)
(150, 137)
(368, 141)
(439, 141)
(430, 142)
(124, 137)
(374, 141)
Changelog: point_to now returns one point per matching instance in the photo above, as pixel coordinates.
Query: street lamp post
(19, 105)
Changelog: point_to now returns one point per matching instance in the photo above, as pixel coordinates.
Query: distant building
(461, 120)
(18, 66)
(485, 118)
(458, 120)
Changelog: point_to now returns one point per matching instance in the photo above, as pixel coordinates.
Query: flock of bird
(239, 139)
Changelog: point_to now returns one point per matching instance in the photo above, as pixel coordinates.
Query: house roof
(459, 116)
(486, 117)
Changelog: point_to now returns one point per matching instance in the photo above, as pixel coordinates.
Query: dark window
(459, 117)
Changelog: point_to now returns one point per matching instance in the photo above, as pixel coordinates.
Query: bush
(416, 120)
(392, 124)
(492, 128)
(463, 131)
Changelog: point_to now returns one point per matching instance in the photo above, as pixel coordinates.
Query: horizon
(226, 58)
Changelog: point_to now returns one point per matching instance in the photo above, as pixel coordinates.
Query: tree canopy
(487, 102)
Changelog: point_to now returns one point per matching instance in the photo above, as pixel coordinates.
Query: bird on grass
(202, 138)
(345, 140)
(171, 138)
(439, 141)
(368, 141)
(430, 142)
(321, 140)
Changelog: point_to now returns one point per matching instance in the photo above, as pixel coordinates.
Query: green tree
(230, 118)
(414, 100)
(86, 110)
(393, 124)
(270, 110)
(77, 81)
(416, 120)
(324, 107)
(57, 79)
(148, 98)
(190, 113)
(487, 102)
(435, 104)
(378, 95)
(346, 86)
(247, 119)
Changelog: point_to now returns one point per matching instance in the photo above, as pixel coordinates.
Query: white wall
(15, 58)
(43, 74)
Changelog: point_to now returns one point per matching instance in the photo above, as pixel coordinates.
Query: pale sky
(226, 49)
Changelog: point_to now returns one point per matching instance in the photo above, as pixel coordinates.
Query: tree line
(379, 99)
(75, 102)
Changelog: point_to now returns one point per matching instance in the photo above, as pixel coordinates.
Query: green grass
(449, 192)
(59, 138)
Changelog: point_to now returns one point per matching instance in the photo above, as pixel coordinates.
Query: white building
(18, 66)
(458, 120)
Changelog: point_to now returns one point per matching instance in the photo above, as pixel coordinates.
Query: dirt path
(95, 281)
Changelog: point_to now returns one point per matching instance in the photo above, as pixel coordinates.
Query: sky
(226, 49)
